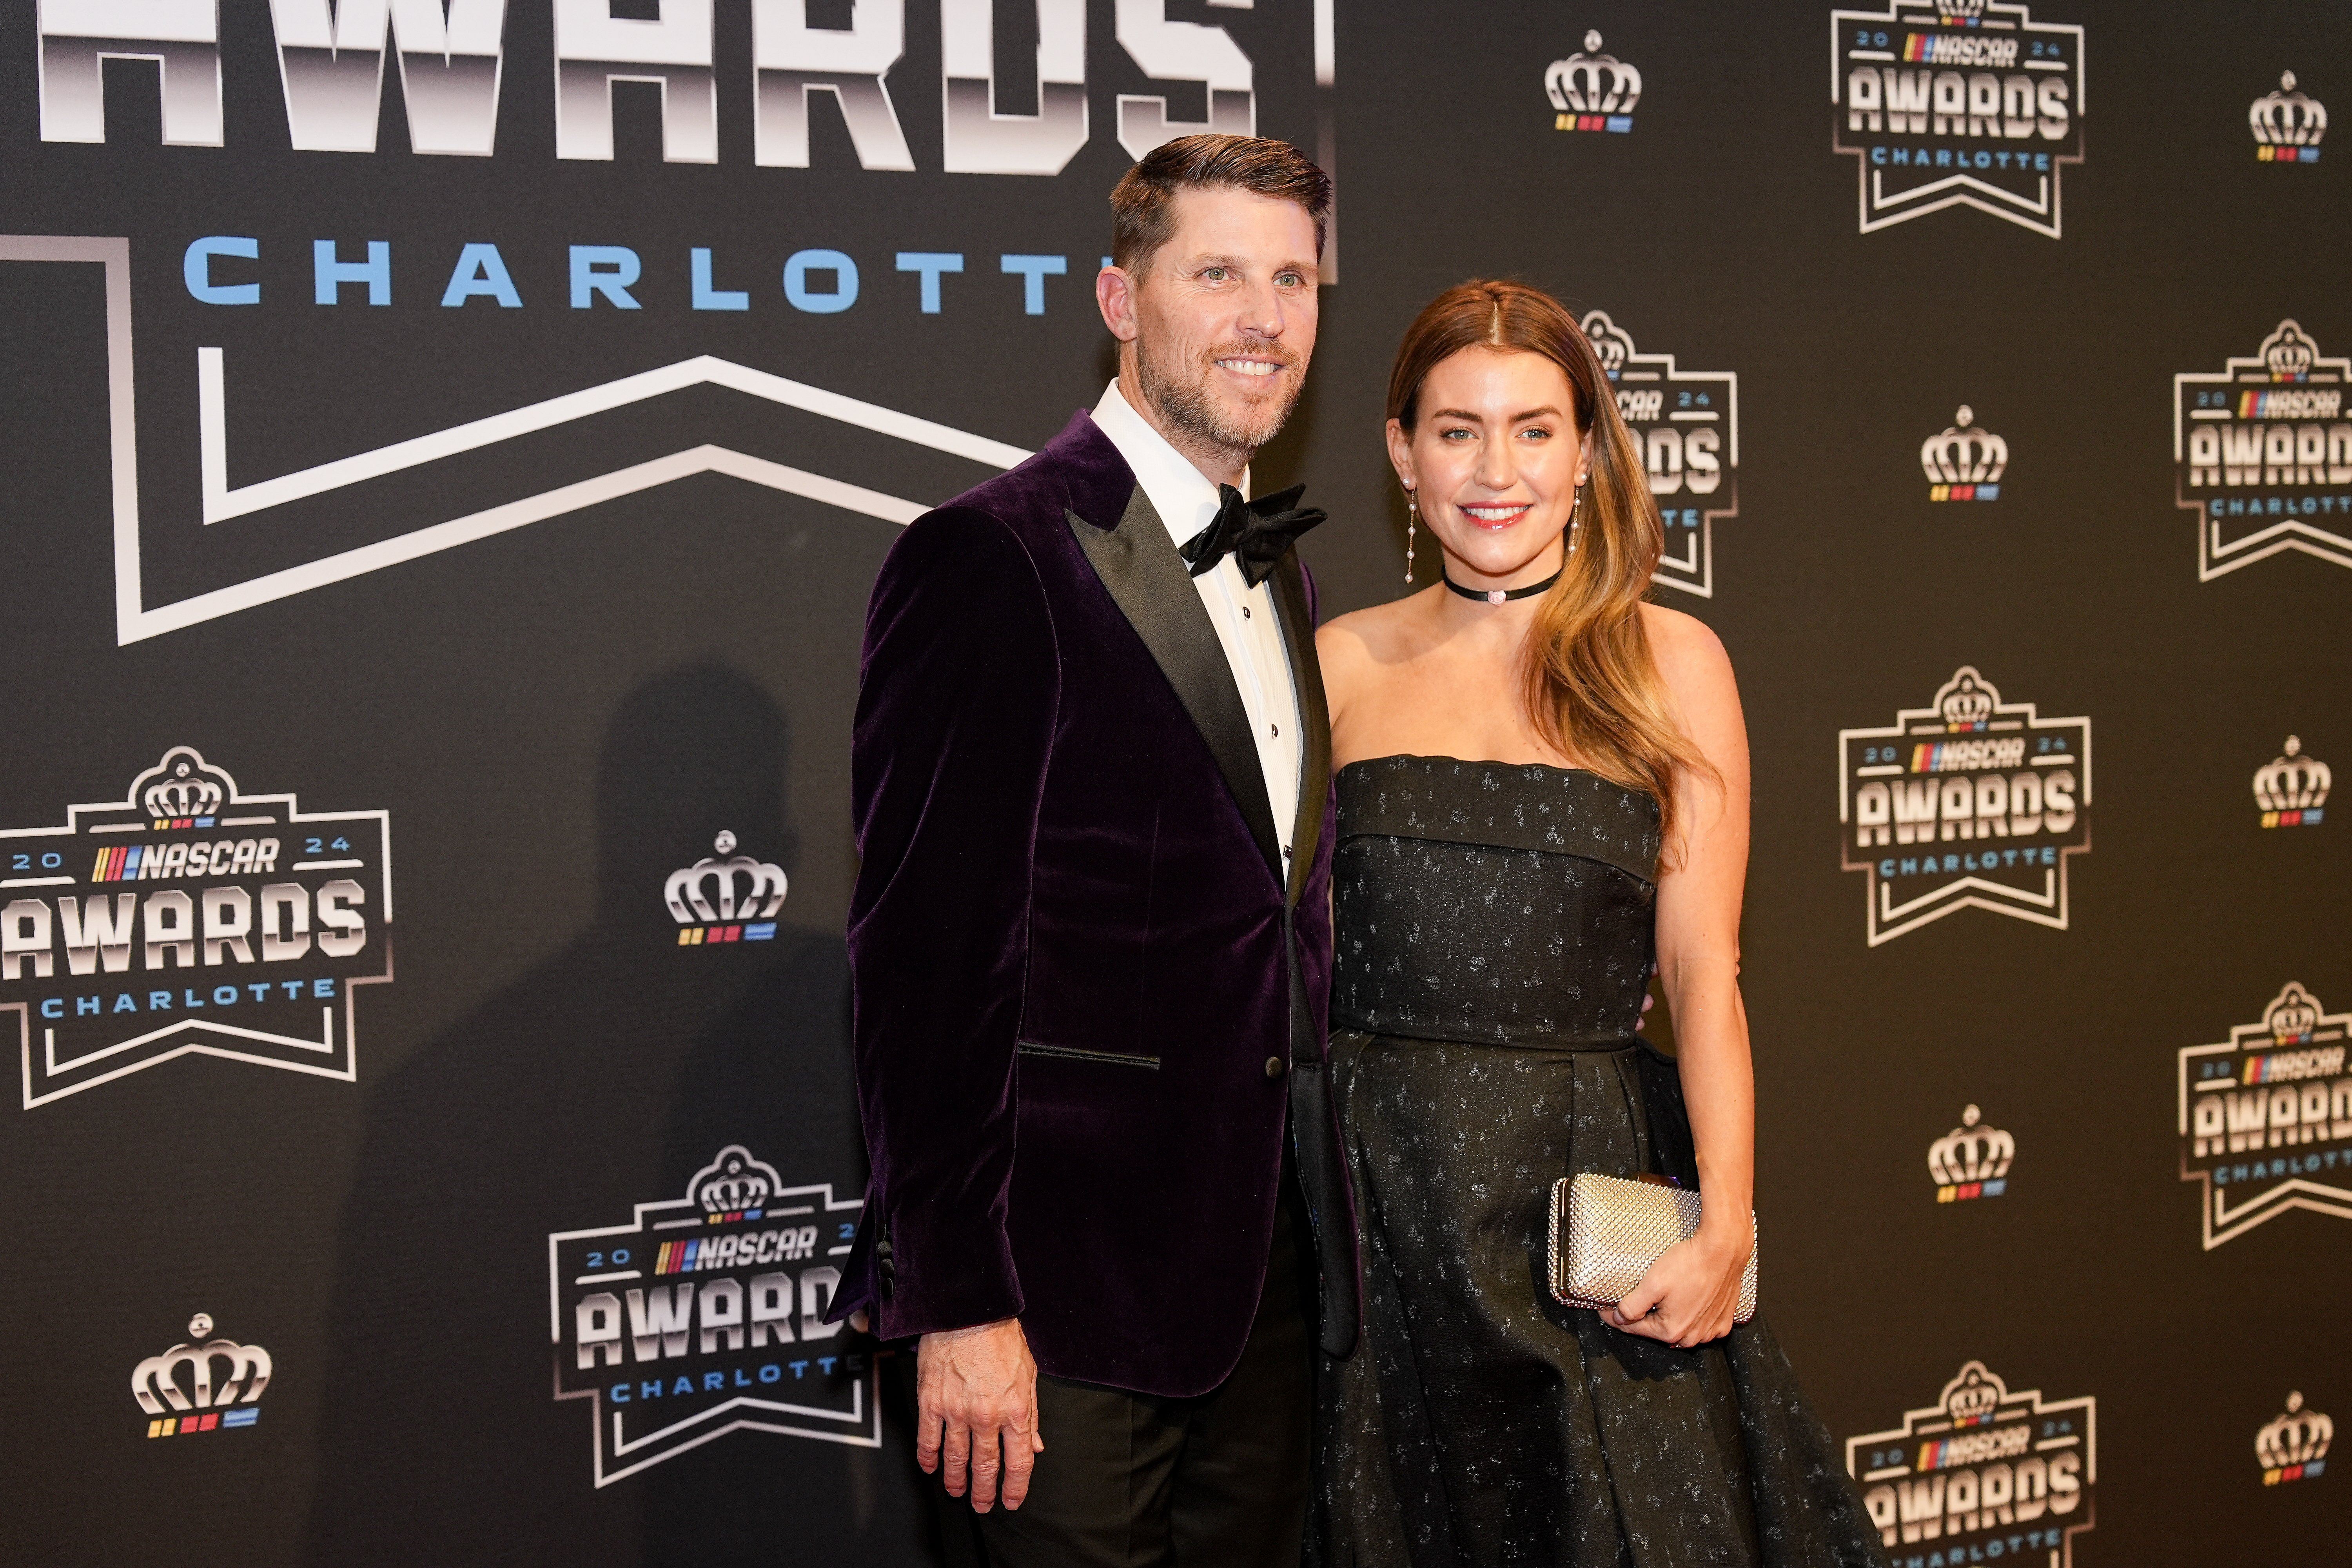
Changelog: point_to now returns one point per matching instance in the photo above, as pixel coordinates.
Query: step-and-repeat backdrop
(447, 445)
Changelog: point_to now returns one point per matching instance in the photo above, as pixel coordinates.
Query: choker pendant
(1500, 595)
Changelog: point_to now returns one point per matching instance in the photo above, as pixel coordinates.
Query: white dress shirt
(1186, 501)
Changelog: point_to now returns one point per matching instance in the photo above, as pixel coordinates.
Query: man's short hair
(1142, 203)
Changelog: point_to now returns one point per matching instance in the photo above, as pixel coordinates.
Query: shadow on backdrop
(603, 1078)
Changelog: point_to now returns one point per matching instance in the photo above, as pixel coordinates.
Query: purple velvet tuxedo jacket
(1089, 984)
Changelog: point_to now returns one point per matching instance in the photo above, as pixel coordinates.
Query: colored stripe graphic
(2259, 1070)
(189, 1425)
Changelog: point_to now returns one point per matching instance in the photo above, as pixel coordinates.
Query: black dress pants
(1218, 1481)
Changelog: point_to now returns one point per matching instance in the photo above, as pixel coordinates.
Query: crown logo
(1610, 342)
(1973, 1396)
(2287, 118)
(1593, 82)
(2291, 781)
(1966, 701)
(2288, 352)
(181, 784)
(734, 1181)
(156, 1382)
(2293, 1017)
(688, 891)
(1970, 1152)
(2297, 1437)
(1960, 454)
(1960, 10)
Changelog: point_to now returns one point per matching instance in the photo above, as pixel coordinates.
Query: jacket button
(1273, 1067)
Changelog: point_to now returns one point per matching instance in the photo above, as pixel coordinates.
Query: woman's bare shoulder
(1689, 655)
(1376, 633)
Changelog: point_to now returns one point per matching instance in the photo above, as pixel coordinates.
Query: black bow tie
(1256, 533)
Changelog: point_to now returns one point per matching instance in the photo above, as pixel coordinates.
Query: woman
(1537, 772)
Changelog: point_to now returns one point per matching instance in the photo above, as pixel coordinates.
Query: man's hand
(975, 1388)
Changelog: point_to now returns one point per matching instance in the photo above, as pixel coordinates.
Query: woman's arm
(1694, 1287)
(1340, 650)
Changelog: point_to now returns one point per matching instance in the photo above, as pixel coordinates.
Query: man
(1090, 939)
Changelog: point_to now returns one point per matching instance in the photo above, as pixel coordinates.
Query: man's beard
(1189, 410)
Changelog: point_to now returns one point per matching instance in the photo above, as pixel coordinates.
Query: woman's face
(1494, 461)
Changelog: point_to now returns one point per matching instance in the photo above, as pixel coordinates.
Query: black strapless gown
(1495, 927)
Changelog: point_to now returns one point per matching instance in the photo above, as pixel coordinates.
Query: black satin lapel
(1314, 762)
(1146, 580)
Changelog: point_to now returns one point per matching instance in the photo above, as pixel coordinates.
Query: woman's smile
(1497, 515)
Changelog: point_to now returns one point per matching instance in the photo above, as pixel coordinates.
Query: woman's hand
(1688, 1295)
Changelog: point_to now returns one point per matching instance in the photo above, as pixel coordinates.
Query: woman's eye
(1537, 432)
(1457, 434)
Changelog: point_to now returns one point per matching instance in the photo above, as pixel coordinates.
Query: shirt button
(1245, 614)
(1273, 1067)
(1276, 729)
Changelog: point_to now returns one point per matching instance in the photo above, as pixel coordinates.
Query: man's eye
(1214, 274)
(1291, 280)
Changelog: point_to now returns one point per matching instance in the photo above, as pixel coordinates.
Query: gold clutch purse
(1606, 1231)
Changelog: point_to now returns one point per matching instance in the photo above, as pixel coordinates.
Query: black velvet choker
(1499, 596)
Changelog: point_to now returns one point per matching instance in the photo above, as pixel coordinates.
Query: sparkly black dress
(1494, 938)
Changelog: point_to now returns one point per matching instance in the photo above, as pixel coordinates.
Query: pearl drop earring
(1412, 517)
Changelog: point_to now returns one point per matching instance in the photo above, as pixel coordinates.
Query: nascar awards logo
(2261, 453)
(1968, 803)
(1962, 462)
(705, 1315)
(1591, 90)
(1982, 1473)
(2266, 1117)
(2291, 788)
(190, 918)
(2287, 124)
(2294, 1447)
(1687, 425)
(1957, 103)
(703, 900)
(1971, 1161)
(179, 1392)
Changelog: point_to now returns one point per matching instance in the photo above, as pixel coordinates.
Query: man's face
(1223, 317)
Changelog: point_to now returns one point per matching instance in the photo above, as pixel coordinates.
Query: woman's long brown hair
(1591, 688)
